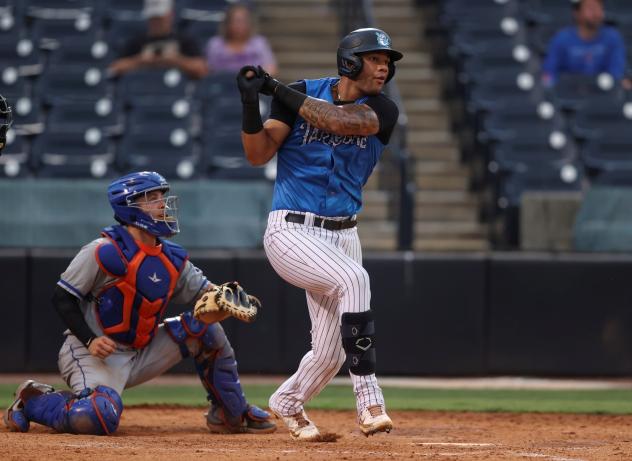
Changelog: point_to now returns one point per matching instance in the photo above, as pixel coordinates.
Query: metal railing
(355, 14)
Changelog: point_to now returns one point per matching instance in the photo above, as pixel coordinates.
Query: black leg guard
(357, 330)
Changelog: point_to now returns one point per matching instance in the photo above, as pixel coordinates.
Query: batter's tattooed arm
(350, 119)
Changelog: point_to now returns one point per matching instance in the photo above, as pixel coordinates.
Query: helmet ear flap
(391, 71)
(349, 65)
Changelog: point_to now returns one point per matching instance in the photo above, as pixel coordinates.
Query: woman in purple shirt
(237, 45)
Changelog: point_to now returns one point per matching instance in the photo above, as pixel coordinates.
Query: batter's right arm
(260, 147)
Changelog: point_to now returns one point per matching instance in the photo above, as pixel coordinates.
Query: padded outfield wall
(479, 314)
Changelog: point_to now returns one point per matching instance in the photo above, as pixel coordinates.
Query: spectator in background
(588, 48)
(238, 45)
(162, 46)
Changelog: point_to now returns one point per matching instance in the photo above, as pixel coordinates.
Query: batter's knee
(356, 280)
(95, 412)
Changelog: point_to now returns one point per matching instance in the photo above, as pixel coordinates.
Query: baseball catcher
(6, 120)
(112, 298)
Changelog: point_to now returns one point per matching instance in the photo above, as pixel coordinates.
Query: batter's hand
(270, 84)
(249, 83)
(101, 347)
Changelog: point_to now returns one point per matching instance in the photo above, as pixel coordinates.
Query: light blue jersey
(320, 172)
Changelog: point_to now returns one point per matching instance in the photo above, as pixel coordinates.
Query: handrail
(355, 14)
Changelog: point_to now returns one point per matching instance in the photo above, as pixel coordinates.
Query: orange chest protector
(130, 307)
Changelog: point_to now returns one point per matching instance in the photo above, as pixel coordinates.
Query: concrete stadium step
(445, 197)
(460, 244)
(439, 212)
(434, 151)
(429, 137)
(375, 205)
(450, 229)
(435, 121)
(317, 26)
(444, 181)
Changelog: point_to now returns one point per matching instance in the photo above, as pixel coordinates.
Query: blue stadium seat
(216, 85)
(508, 121)
(86, 53)
(610, 150)
(48, 32)
(224, 158)
(15, 157)
(105, 114)
(558, 12)
(596, 113)
(162, 114)
(121, 30)
(200, 31)
(496, 57)
(72, 154)
(28, 117)
(170, 152)
(154, 83)
(73, 83)
(59, 9)
(21, 54)
(503, 87)
(539, 145)
(571, 90)
(13, 85)
(124, 10)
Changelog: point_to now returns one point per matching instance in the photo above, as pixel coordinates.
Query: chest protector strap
(130, 307)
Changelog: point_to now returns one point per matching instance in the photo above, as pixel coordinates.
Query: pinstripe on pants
(328, 266)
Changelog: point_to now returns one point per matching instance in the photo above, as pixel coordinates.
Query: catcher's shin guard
(93, 411)
(357, 330)
(215, 364)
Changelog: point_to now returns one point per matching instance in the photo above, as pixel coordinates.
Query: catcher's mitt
(225, 300)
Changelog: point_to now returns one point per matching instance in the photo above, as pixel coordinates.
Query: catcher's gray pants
(125, 367)
(328, 266)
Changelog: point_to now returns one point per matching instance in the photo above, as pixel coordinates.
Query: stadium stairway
(304, 37)
(446, 211)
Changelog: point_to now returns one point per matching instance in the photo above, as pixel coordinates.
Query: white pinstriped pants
(328, 266)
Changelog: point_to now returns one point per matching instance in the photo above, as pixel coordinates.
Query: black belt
(329, 224)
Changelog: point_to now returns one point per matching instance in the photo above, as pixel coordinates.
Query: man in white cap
(162, 46)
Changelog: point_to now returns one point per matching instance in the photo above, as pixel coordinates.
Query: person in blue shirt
(588, 48)
(328, 134)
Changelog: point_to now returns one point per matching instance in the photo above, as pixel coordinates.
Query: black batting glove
(270, 84)
(249, 87)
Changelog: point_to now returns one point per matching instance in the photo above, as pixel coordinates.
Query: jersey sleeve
(387, 114)
(83, 272)
(191, 284)
(281, 112)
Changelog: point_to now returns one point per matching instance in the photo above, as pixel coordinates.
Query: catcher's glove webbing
(222, 301)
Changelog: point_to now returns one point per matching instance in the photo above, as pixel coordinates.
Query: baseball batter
(329, 134)
(112, 298)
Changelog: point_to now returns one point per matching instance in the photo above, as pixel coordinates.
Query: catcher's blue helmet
(123, 192)
(361, 41)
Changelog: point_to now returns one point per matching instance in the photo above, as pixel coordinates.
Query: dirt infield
(162, 433)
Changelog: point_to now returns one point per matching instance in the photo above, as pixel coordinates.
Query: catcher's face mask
(161, 209)
(6, 119)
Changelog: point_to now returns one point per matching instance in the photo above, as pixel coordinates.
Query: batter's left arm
(350, 119)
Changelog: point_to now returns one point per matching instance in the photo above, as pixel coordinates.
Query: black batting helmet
(362, 41)
(6, 119)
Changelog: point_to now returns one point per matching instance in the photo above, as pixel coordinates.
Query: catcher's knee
(95, 412)
(185, 327)
(358, 332)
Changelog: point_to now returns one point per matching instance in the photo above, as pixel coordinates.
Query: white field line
(455, 444)
(496, 382)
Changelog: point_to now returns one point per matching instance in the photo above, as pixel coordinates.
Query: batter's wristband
(251, 122)
(290, 97)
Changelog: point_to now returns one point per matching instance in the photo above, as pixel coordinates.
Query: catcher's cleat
(374, 419)
(254, 421)
(14, 418)
(300, 426)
